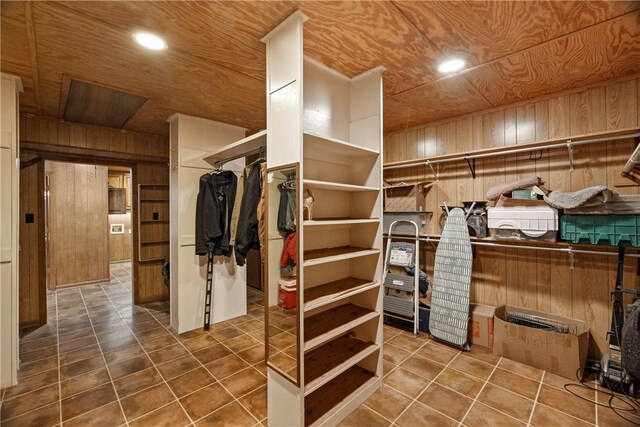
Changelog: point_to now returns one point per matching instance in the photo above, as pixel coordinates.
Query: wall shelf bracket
(570, 151)
(472, 166)
(435, 174)
(571, 258)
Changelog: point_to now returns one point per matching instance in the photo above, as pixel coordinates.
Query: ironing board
(449, 318)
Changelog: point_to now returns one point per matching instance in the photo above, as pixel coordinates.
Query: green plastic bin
(615, 230)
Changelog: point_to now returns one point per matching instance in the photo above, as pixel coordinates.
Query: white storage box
(524, 223)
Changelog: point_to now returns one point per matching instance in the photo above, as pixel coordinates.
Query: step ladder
(401, 291)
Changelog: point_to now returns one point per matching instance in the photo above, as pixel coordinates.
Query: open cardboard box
(481, 325)
(561, 354)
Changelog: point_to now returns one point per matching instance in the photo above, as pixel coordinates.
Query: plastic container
(523, 223)
(524, 194)
(287, 294)
(601, 229)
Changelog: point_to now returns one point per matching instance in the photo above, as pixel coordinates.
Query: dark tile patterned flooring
(102, 361)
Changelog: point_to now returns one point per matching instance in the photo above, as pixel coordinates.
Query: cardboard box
(561, 354)
(481, 325)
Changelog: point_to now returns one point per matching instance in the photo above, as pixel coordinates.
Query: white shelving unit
(328, 128)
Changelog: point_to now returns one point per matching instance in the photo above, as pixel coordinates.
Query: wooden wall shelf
(596, 137)
(153, 243)
(322, 256)
(331, 359)
(332, 323)
(337, 393)
(336, 186)
(331, 292)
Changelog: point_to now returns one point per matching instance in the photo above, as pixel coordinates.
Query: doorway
(88, 224)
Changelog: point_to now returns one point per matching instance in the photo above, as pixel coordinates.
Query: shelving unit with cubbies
(327, 128)
(153, 222)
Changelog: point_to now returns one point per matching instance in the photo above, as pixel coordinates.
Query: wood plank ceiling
(215, 64)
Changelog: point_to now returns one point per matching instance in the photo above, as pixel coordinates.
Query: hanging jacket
(213, 213)
(289, 256)
(262, 211)
(247, 233)
(235, 213)
(287, 210)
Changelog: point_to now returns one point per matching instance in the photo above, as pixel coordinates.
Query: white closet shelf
(241, 148)
(322, 256)
(336, 186)
(336, 394)
(318, 147)
(330, 360)
(340, 221)
(325, 326)
(327, 293)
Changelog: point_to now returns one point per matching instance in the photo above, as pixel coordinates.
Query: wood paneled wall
(78, 224)
(533, 279)
(32, 288)
(120, 244)
(147, 156)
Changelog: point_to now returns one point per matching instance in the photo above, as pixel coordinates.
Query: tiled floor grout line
(480, 392)
(535, 401)
(147, 355)
(105, 362)
(431, 381)
(221, 385)
(414, 353)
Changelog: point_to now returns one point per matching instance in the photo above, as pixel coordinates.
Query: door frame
(43, 156)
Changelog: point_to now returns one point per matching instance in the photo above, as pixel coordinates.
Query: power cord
(632, 404)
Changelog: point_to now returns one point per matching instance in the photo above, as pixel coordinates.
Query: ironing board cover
(449, 318)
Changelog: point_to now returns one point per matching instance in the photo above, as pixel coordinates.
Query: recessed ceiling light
(451, 65)
(150, 41)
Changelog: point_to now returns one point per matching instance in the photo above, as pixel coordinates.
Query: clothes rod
(568, 144)
(508, 246)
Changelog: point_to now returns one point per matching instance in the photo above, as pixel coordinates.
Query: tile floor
(101, 361)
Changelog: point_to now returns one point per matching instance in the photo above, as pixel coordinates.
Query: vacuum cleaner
(620, 371)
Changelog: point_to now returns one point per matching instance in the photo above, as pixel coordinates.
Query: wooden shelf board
(154, 242)
(150, 221)
(332, 323)
(239, 148)
(333, 291)
(152, 259)
(321, 256)
(339, 221)
(318, 147)
(535, 243)
(330, 360)
(155, 200)
(405, 185)
(538, 144)
(338, 392)
(336, 186)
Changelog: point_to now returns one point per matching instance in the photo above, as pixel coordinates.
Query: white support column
(9, 226)
(191, 138)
